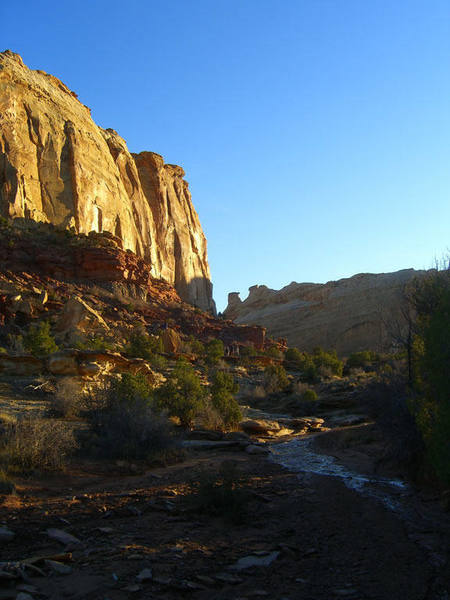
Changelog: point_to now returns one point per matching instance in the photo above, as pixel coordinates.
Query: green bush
(309, 396)
(39, 341)
(214, 351)
(431, 373)
(148, 347)
(96, 343)
(327, 361)
(125, 422)
(195, 346)
(142, 345)
(223, 389)
(362, 360)
(183, 395)
(274, 352)
(275, 378)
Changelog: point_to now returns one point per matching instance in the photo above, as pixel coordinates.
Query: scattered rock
(209, 444)
(133, 588)
(144, 575)
(228, 578)
(59, 568)
(250, 561)
(255, 449)
(62, 536)
(6, 535)
(258, 427)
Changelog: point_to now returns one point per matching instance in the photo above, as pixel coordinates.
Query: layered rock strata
(358, 313)
(58, 166)
(90, 283)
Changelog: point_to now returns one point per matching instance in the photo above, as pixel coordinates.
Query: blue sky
(314, 133)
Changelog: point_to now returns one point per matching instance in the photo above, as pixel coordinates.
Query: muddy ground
(323, 541)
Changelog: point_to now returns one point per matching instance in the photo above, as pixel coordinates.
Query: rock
(250, 561)
(77, 315)
(171, 341)
(348, 315)
(132, 588)
(6, 535)
(24, 596)
(227, 578)
(20, 365)
(58, 567)
(62, 536)
(307, 422)
(282, 432)
(58, 166)
(144, 575)
(254, 449)
(209, 444)
(63, 363)
(204, 434)
(257, 427)
(238, 436)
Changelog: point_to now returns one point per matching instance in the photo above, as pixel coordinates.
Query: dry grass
(32, 443)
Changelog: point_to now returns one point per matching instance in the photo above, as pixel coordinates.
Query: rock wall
(58, 166)
(358, 313)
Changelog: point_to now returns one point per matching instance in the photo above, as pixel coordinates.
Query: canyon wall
(58, 166)
(358, 313)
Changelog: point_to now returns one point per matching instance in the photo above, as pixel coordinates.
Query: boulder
(20, 365)
(259, 426)
(78, 315)
(63, 363)
(171, 341)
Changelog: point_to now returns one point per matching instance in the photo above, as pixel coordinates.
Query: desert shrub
(183, 395)
(195, 346)
(96, 343)
(39, 340)
(125, 422)
(274, 352)
(359, 359)
(214, 351)
(430, 399)
(258, 392)
(149, 347)
(223, 389)
(7, 485)
(210, 418)
(37, 444)
(327, 360)
(67, 400)
(386, 401)
(293, 355)
(246, 353)
(319, 363)
(223, 493)
(143, 345)
(309, 396)
(275, 378)
(16, 345)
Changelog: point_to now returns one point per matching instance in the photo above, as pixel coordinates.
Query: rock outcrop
(88, 284)
(358, 313)
(58, 166)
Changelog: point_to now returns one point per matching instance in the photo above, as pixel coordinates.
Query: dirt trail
(332, 541)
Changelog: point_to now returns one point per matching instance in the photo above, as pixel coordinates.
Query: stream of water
(298, 455)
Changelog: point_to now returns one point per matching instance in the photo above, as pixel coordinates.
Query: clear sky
(315, 134)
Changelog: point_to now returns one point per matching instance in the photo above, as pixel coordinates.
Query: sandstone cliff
(349, 315)
(58, 166)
